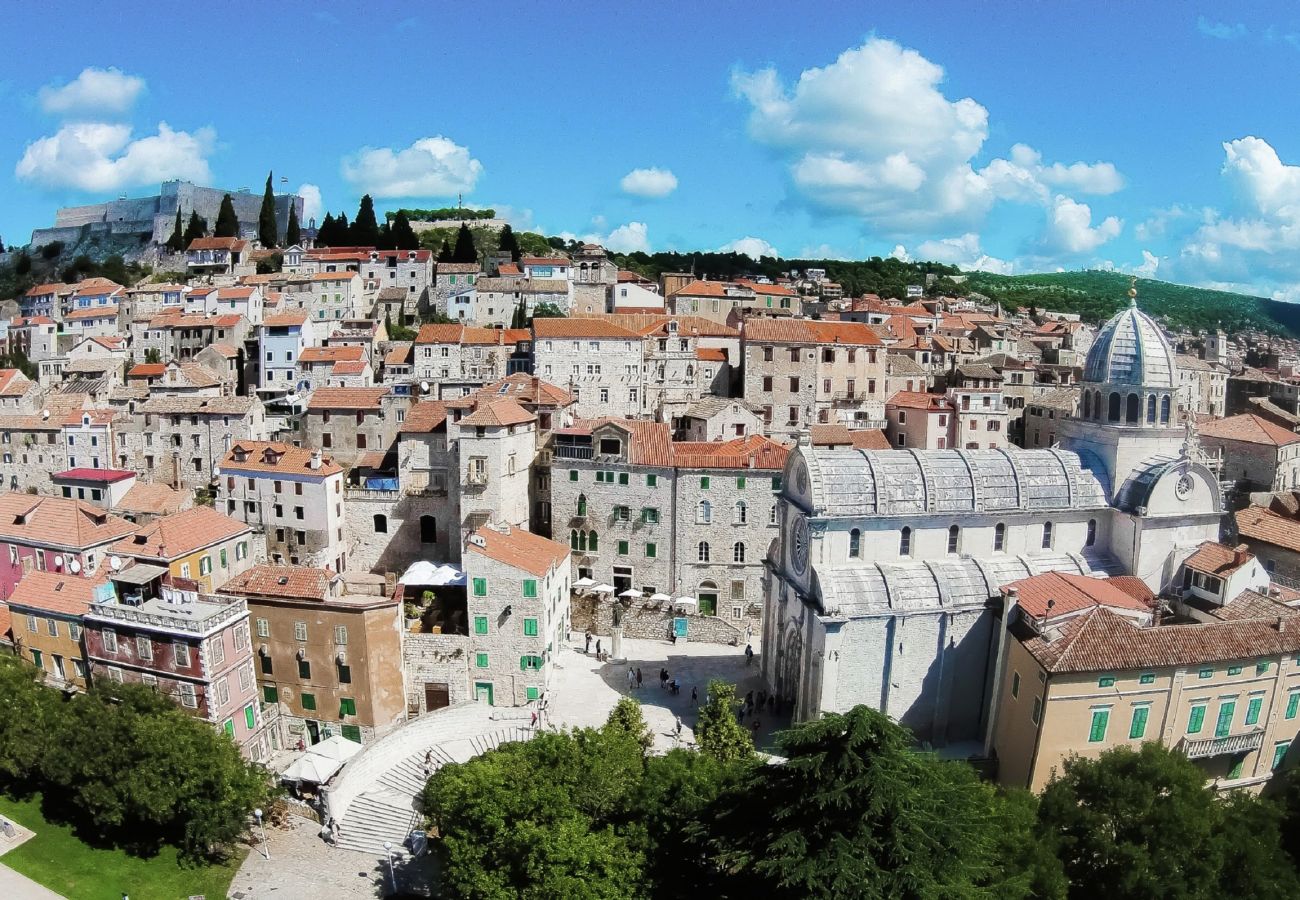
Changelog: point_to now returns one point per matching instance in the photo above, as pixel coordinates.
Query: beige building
(1202, 386)
(1254, 452)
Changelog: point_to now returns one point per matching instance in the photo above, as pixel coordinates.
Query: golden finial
(1132, 290)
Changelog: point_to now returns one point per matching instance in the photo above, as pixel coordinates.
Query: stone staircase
(388, 809)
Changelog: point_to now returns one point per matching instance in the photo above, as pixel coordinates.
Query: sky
(1158, 138)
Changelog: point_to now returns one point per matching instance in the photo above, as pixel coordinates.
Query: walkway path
(19, 887)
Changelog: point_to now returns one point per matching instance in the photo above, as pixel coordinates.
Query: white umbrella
(660, 598)
(584, 582)
(336, 747)
(603, 589)
(310, 767)
(688, 602)
(631, 592)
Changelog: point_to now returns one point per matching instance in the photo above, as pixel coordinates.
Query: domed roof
(1131, 349)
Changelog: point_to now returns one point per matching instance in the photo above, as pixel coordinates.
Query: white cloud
(652, 182)
(900, 253)
(629, 238)
(753, 247)
(311, 203)
(1150, 263)
(430, 167)
(100, 92)
(100, 157)
(1070, 229)
(963, 250)
(1224, 31)
(873, 135)
(1260, 180)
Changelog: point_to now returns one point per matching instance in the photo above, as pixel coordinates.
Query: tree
(445, 254)
(268, 233)
(241, 376)
(293, 233)
(626, 719)
(176, 243)
(520, 317)
(465, 251)
(23, 265)
(227, 222)
(401, 233)
(365, 228)
(547, 311)
(153, 356)
(508, 242)
(325, 233)
(717, 732)
(195, 228)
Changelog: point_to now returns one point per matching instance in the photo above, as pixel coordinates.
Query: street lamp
(266, 850)
(388, 851)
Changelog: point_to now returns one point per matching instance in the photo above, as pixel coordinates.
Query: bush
(52, 249)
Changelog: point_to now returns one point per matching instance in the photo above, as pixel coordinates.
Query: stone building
(496, 443)
(1255, 453)
(1202, 386)
(179, 440)
(347, 422)
(454, 360)
(601, 364)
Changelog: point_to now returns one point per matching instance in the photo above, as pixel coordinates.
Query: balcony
(1224, 746)
(198, 618)
(564, 451)
(848, 397)
(476, 477)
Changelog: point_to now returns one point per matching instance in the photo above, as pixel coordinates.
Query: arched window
(1151, 408)
(428, 530)
(740, 512)
(1164, 410)
(593, 541)
(999, 537)
(1047, 535)
(704, 513)
(582, 504)
(582, 542)
(954, 538)
(1087, 404)
(1113, 412)
(1133, 409)
(573, 539)
(1096, 405)
(738, 552)
(1092, 533)
(381, 523)
(855, 544)
(905, 542)
(703, 554)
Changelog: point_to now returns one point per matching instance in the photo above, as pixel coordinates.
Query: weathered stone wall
(644, 620)
(436, 659)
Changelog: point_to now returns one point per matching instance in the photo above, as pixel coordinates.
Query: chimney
(315, 460)
(1240, 554)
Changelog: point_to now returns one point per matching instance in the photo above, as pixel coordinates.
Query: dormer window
(611, 446)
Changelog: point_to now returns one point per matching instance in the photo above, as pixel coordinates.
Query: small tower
(1216, 347)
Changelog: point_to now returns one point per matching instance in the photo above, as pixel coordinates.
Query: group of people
(601, 654)
(666, 682)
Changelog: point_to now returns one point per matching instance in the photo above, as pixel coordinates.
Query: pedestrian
(672, 635)
(598, 649)
(749, 700)
(663, 678)
(771, 703)
(694, 696)
(631, 679)
(587, 647)
(749, 631)
(754, 726)
(749, 653)
(533, 722)
(638, 678)
(677, 727)
(762, 698)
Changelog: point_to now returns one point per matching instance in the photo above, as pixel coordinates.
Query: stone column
(616, 643)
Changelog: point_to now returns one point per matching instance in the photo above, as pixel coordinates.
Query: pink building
(53, 534)
(194, 648)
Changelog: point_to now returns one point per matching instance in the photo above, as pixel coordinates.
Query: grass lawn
(61, 862)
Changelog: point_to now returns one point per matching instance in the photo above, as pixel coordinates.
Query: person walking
(587, 646)
(638, 678)
(694, 695)
(631, 679)
(663, 678)
(598, 656)
(749, 654)
(677, 730)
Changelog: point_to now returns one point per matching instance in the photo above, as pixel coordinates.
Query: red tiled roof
(810, 331)
(101, 312)
(273, 456)
(581, 328)
(1260, 524)
(155, 499)
(1057, 593)
(1249, 428)
(348, 398)
(235, 293)
(347, 352)
(752, 452)
(1135, 587)
(350, 367)
(650, 443)
(918, 400)
(498, 413)
(218, 243)
(103, 476)
(545, 261)
(1213, 558)
(57, 522)
(842, 436)
(402, 354)
(286, 319)
(146, 370)
(701, 288)
(710, 354)
(180, 534)
(517, 547)
(655, 323)
(335, 276)
(55, 592)
(295, 582)
(424, 417)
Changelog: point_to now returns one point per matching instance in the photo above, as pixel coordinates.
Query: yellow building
(46, 610)
(199, 544)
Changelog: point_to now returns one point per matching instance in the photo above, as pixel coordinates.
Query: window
(1036, 715)
(1223, 725)
(304, 668)
(582, 498)
(740, 512)
(428, 530)
(1234, 670)
(1292, 704)
(530, 588)
(341, 635)
(481, 660)
(300, 631)
(738, 552)
(622, 548)
(1147, 678)
(1279, 753)
(1106, 681)
(530, 628)
(1261, 667)
(703, 552)
(1138, 727)
(205, 565)
(1015, 684)
(266, 665)
(954, 538)
(188, 699)
(480, 587)
(381, 523)
(52, 626)
(1206, 673)
(855, 544)
(651, 480)
(347, 706)
(1252, 710)
(704, 482)
(1196, 719)
(270, 694)
(704, 513)
(1097, 733)
(651, 551)
(573, 474)
(1047, 535)
(905, 542)
(182, 653)
(1092, 533)
(650, 515)
(109, 635)
(308, 701)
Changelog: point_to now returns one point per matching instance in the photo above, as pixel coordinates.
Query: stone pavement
(584, 691)
(19, 887)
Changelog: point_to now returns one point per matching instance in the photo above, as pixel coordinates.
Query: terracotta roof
(30, 321)
(226, 350)
(504, 269)
(348, 398)
(286, 319)
(842, 436)
(774, 290)
(57, 522)
(517, 547)
(273, 456)
(218, 243)
(155, 499)
(439, 334)
(146, 370)
(701, 288)
(350, 367)
(581, 328)
(94, 287)
(497, 413)
(55, 287)
(294, 582)
(180, 534)
(455, 268)
(810, 331)
(55, 592)
(424, 417)
(710, 354)
(1253, 605)
(1057, 593)
(918, 400)
(1102, 641)
(235, 293)
(1249, 428)
(751, 453)
(100, 312)
(1135, 587)
(209, 406)
(655, 323)
(401, 354)
(348, 352)
(14, 383)
(1260, 524)
(527, 389)
(1213, 558)
(101, 476)
(545, 261)
(650, 443)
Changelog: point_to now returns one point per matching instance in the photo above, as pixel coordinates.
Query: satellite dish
(58, 561)
(45, 414)
(115, 563)
(75, 566)
(424, 386)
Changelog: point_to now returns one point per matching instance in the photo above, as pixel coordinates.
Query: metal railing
(1222, 746)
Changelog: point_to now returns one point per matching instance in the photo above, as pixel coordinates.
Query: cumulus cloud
(100, 157)
(873, 135)
(1070, 229)
(652, 182)
(630, 238)
(900, 253)
(1224, 31)
(753, 247)
(99, 92)
(312, 208)
(963, 250)
(1150, 263)
(430, 167)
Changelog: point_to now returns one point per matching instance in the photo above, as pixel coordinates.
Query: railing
(1233, 743)
(134, 615)
(361, 493)
(565, 452)
(476, 478)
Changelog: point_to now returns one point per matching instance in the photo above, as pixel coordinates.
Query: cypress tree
(509, 243)
(196, 228)
(176, 242)
(342, 231)
(325, 234)
(444, 255)
(402, 234)
(267, 232)
(227, 221)
(465, 251)
(292, 234)
(365, 228)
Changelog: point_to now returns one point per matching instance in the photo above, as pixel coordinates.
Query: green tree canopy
(195, 228)
(325, 232)
(465, 251)
(508, 242)
(401, 234)
(227, 222)
(293, 233)
(547, 311)
(176, 242)
(268, 233)
(365, 228)
(445, 254)
(717, 732)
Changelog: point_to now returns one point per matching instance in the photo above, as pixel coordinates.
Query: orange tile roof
(93, 287)
(527, 389)
(810, 331)
(335, 276)
(1260, 524)
(424, 417)
(1248, 428)
(752, 452)
(101, 312)
(842, 436)
(235, 293)
(701, 288)
(439, 334)
(270, 457)
(180, 534)
(350, 367)
(496, 413)
(1057, 593)
(517, 547)
(57, 522)
(402, 354)
(656, 323)
(1213, 558)
(55, 287)
(155, 499)
(294, 582)
(710, 354)
(348, 398)
(581, 328)
(146, 370)
(774, 290)
(286, 319)
(545, 261)
(348, 353)
(650, 443)
(218, 243)
(1135, 587)
(55, 592)
(918, 400)
(224, 349)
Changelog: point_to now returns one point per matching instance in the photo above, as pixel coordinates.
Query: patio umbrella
(660, 598)
(336, 747)
(604, 589)
(632, 592)
(313, 768)
(688, 602)
(584, 582)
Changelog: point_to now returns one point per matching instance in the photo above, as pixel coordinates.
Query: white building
(600, 363)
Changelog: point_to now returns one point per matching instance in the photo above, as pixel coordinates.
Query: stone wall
(438, 659)
(644, 620)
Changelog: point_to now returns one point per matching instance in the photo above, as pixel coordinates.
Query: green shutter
(270, 694)
(480, 587)
(347, 706)
(1252, 710)
(776, 482)
(573, 474)
(704, 482)
(1098, 731)
(224, 563)
(1279, 752)
(1261, 668)
(352, 732)
(622, 478)
(480, 625)
(600, 476)
(1237, 765)
(249, 719)
(1206, 673)
(1196, 720)
(1234, 670)
(1147, 678)
(308, 701)
(622, 548)
(651, 480)
(1106, 681)
(481, 660)
(230, 727)
(530, 588)
(1224, 724)
(740, 482)
(530, 627)
(1292, 704)
(1139, 726)
(650, 551)
(532, 693)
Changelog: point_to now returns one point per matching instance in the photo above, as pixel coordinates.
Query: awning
(139, 574)
(432, 574)
(313, 768)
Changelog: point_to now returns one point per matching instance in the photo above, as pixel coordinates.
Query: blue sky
(1161, 138)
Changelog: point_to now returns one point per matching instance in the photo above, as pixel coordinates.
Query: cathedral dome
(1131, 350)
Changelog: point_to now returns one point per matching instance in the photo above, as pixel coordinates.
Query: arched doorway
(708, 597)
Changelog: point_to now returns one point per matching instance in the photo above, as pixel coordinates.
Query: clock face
(1184, 487)
(800, 552)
